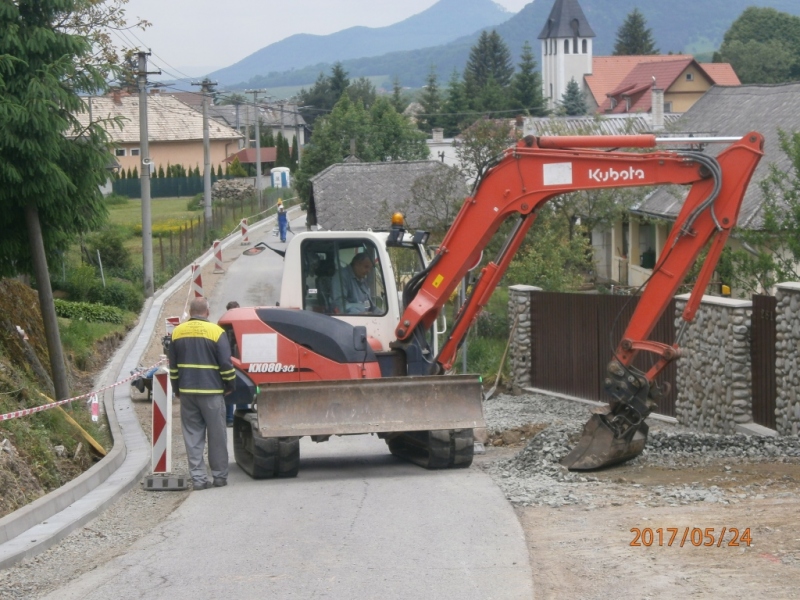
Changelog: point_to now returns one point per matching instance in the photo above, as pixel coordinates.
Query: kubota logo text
(611, 174)
(270, 368)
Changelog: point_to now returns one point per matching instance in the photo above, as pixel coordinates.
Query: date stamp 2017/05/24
(667, 536)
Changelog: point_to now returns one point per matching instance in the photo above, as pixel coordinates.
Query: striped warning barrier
(162, 422)
(245, 239)
(197, 281)
(218, 268)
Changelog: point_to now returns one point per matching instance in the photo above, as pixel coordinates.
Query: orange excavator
(323, 364)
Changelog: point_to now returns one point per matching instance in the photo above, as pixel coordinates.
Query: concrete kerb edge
(27, 517)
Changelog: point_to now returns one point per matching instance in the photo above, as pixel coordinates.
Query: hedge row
(88, 312)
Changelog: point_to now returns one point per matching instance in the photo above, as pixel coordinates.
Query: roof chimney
(438, 135)
(657, 109)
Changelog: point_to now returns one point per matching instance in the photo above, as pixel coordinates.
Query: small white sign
(558, 174)
(259, 347)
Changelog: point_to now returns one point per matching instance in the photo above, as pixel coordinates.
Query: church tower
(566, 50)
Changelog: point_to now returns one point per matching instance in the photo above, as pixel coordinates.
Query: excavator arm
(538, 169)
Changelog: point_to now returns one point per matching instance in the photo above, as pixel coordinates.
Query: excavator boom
(538, 169)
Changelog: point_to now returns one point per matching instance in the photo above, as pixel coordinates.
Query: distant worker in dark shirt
(283, 221)
(201, 372)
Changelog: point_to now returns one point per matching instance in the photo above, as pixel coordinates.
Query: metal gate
(573, 337)
(762, 359)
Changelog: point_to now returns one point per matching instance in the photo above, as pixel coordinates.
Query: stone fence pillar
(519, 351)
(787, 358)
(714, 378)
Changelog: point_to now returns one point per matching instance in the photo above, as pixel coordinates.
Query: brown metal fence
(573, 337)
(762, 357)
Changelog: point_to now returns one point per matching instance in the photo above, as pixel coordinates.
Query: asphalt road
(356, 522)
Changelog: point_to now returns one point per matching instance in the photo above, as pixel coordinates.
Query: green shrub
(89, 312)
(80, 282)
(196, 203)
(122, 294)
(109, 242)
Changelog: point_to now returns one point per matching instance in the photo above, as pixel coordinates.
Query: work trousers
(201, 414)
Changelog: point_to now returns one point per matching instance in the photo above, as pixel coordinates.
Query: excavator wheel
(262, 458)
(439, 449)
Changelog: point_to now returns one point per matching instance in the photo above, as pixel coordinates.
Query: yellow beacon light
(397, 219)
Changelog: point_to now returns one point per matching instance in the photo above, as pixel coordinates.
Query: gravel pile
(535, 477)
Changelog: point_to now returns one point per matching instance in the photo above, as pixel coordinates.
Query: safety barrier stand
(161, 479)
(218, 268)
(245, 240)
(197, 281)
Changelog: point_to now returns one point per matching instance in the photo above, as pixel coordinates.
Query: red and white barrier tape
(29, 411)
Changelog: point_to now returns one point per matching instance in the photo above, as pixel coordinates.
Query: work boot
(201, 486)
(219, 482)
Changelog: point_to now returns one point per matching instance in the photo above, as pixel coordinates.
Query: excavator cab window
(343, 277)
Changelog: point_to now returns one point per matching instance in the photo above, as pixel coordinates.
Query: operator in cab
(351, 290)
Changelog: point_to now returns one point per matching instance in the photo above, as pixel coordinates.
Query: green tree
(456, 112)
(219, 170)
(376, 134)
(436, 198)
(774, 247)
(763, 46)
(573, 102)
(295, 155)
(399, 101)
(526, 85)
(481, 143)
(235, 168)
(362, 90)
(266, 138)
(489, 60)
(121, 174)
(230, 98)
(135, 174)
(51, 166)
(324, 94)
(634, 37)
(431, 101)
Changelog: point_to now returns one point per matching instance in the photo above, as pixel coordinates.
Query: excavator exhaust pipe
(600, 447)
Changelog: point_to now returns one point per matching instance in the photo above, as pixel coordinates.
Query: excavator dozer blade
(392, 404)
(598, 447)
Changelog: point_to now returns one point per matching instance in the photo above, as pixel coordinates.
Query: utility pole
(258, 142)
(207, 87)
(144, 177)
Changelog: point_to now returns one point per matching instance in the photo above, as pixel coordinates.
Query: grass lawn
(163, 211)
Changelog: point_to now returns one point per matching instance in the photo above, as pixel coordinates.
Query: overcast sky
(195, 37)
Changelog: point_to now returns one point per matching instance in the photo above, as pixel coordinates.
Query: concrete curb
(46, 521)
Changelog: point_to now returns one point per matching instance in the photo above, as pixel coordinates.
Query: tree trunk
(46, 304)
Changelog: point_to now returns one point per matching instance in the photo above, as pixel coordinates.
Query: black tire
(438, 449)
(254, 455)
(288, 456)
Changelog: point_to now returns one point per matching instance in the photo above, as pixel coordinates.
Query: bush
(85, 311)
(196, 203)
(122, 294)
(109, 242)
(81, 281)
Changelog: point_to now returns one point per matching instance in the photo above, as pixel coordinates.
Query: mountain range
(678, 26)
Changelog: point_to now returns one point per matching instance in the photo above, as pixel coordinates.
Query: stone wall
(787, 359)
(519, 351)
(714, 377)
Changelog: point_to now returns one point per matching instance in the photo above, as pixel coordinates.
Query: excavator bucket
(392, 404)
(599, 447)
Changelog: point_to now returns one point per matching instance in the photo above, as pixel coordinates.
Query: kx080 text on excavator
(321, 364)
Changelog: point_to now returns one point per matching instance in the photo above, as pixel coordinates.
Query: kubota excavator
(319, 365)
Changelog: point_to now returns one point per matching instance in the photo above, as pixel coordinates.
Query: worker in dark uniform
(201, 372)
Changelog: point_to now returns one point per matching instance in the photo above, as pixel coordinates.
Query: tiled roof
(637, 84)
(609, 71)
(721, 73)
(365, 195)
(168, 119)
(566, 20)
(734, 111)
(248, 155)
(595, 125)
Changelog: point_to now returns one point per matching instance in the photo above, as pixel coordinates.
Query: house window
(566, 46)
(690, 77)
(667, 107)
(120, 152)
(134, 151)
(551, 91)
(584, 46)
(627, 104)
(574, 45)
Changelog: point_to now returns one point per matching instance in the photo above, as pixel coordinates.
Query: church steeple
(566, 49)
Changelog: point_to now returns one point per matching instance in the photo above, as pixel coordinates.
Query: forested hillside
(678, 26)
